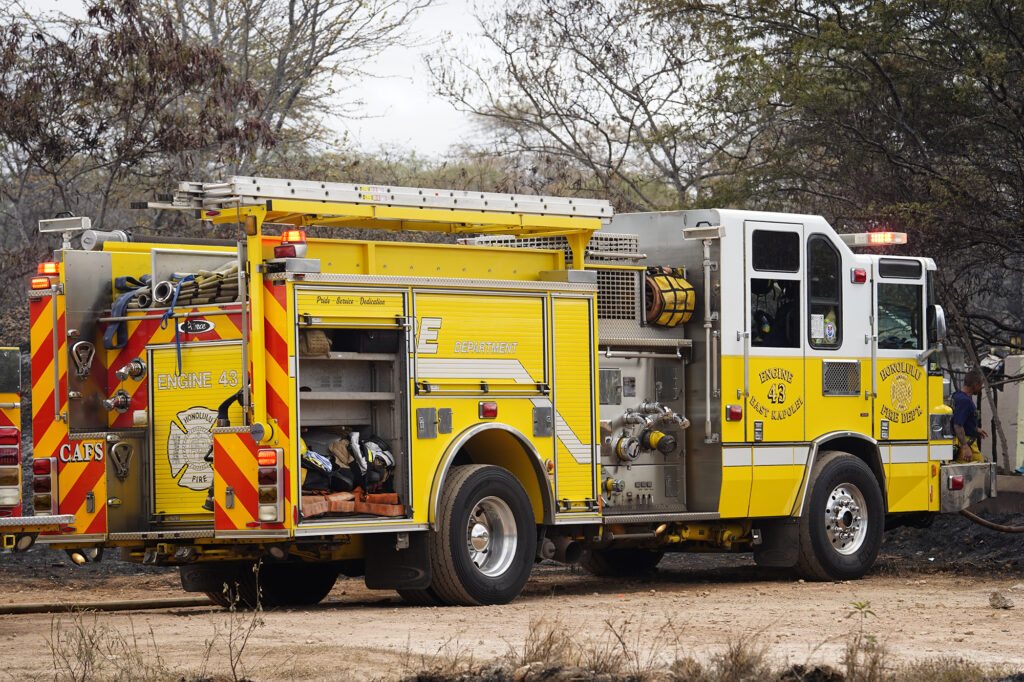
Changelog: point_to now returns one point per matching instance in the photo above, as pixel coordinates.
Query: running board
(660, 518)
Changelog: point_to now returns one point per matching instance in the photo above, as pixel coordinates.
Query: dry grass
(555, 651)
(84, 648)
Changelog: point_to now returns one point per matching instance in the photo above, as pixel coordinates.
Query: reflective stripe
(767, 456)
(736, 457)
(908, 454)
(440, 368)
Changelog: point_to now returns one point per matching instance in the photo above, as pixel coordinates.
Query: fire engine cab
(560, 384)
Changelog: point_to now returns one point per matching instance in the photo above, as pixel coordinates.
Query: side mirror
(936, 319)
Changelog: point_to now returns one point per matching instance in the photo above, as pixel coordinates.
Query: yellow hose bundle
(670, 298)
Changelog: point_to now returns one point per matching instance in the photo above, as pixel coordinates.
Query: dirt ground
(930, 593)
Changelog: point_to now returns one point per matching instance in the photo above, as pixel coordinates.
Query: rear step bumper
(34, 524)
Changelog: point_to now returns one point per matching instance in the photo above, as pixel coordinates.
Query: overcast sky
(401, 110)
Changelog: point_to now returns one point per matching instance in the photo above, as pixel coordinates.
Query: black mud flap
(780, 542)
(397, 561)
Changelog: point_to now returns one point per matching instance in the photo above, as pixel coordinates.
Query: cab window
(825, 297)
(899, 316)
(775, 313)
(775, 251)
(775, 300)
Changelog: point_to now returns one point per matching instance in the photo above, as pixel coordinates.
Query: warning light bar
(48, 268)
(293, 237)
(874, 238)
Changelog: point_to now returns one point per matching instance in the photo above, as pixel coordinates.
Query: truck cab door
(774, 332)
(899, 382)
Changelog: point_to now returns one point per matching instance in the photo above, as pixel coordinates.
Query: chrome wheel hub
(491, 536)
(846, 522)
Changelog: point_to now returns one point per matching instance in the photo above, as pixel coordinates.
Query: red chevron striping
(86, 482)
(277, 290)
(42, 419)
(221, 520)
(245, 491)
(278, 409)
(41, 361)
(99, 524)
(276, 346)
(140, 398)
(236, 323)
(5, 421)
(287, 488)
(136, 345)
(36, 307)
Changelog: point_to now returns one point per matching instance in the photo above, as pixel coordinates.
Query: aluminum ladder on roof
(241, 191)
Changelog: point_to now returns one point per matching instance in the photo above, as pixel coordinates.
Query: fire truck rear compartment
(352, 380)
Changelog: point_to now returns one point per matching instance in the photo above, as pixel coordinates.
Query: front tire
(842, 524)
(485, 537)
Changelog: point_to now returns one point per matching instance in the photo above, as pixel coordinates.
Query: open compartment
(351, 385)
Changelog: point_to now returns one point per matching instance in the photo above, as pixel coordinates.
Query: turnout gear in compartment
(352, 460)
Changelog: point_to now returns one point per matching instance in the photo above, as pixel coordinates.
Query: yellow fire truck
(562, 383)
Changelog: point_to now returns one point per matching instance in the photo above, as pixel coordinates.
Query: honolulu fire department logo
(901, 392)
(901, 408)
(187, 446)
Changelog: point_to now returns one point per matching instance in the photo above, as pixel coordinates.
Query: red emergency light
(293, 245)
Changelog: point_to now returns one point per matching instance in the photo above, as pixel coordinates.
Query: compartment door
(183, 411)
(574, 409)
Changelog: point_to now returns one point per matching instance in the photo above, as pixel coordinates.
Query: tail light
(293, 245)
(44, 492)
(270, 484)
(10, 467)
(41, 283)
(48, 268)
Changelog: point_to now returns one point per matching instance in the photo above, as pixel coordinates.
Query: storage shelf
(351, 355)
(346, 395)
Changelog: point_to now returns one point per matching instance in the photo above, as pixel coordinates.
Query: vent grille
(618, 295)
(840, 377)
(604, 244)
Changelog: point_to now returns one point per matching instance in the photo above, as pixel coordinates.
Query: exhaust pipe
(567, 550)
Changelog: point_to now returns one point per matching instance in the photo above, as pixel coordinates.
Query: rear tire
(621, 563)
(425, 597)
(279, 584)
(485, 537)
(296, 584)
(841, 527)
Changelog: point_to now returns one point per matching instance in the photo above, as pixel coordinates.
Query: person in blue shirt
(965, 420)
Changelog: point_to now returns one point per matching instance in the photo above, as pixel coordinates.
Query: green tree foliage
(308, 57)
(624, 97)
(906, 113)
